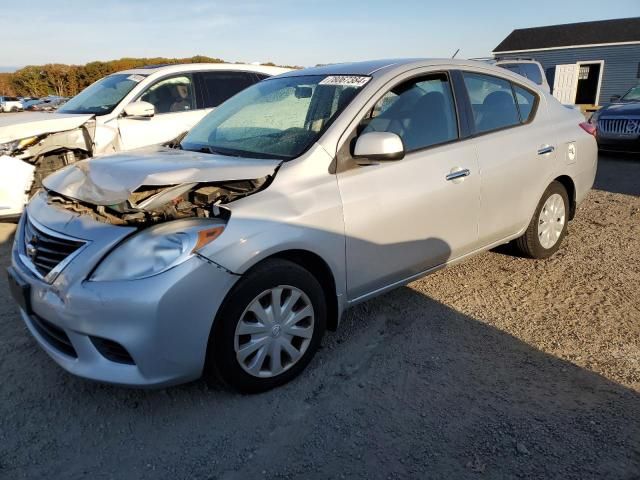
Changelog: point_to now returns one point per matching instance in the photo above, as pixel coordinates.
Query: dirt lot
(502, 367)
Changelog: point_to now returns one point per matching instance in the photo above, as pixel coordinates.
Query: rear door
(515, 151)
(406, 216)
(219, 86)
(565, 83)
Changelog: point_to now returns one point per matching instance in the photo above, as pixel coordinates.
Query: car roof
(191, 67)
(379, 67)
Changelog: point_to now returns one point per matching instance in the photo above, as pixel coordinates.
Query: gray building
(585, 63)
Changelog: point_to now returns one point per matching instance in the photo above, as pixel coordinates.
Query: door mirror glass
(379, 146)
(615, 98)
(140, 109)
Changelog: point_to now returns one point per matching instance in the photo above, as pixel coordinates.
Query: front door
(174, 100)
(406, 216)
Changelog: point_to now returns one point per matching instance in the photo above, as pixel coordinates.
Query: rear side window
(220, 86)
(526, 101)
(532, 72)
(420, 111)
(492, 102)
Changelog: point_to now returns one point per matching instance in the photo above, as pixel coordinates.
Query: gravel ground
(501, 367)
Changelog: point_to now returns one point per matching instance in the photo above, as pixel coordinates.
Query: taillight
(589, 128)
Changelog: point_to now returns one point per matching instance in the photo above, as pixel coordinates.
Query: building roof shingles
(584, 33)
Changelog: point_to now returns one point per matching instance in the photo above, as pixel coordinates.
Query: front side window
(420, 111)
(492, 102)
(170, 95)
(104, 95)
(276, 118)
(221, 86)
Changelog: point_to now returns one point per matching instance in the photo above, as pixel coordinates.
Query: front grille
(619, 126)
(112, 350)
(54, 335)
(46, 250)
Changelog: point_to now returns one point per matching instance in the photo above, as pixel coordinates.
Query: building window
(583, 73)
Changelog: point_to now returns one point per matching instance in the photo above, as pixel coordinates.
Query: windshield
(632, 95)
(276, 118)
(102, 97)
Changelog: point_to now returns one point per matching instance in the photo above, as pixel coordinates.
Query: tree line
(67, 80)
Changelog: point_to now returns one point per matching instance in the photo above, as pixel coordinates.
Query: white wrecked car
(126, 110)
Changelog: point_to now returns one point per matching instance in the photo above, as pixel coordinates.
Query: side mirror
(615, 98)
(379, 146)
(140, 109)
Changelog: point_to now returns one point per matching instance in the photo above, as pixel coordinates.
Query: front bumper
(16, 178)
(162, 322)
(618, 144)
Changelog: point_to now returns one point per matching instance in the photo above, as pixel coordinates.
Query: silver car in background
(232, 252)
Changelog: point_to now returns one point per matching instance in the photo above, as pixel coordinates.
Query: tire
(14, 109)
(534, 242)
(227, 341)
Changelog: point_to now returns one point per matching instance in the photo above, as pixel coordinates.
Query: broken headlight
(9, 147)
(157, 249)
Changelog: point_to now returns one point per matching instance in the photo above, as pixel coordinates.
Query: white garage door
(565, 83)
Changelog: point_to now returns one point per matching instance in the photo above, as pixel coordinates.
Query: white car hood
(112, 179)
(28, 124)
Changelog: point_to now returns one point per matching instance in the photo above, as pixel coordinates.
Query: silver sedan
(230, 252)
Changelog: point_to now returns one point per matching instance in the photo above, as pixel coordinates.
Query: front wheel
(548, 226)
(269, 327)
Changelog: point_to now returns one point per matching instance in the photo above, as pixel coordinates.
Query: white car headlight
(157, 249)
(9, 147)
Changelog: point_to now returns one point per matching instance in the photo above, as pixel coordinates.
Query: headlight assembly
(9, 147)
(157, 249)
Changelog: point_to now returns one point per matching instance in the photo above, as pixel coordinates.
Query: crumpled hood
(28, 124)
(112, 179)
(630, 108)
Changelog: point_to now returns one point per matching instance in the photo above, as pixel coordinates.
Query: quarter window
(492, 102)
(220, 86)
(526, 101)
(420, 111)
(174, 94)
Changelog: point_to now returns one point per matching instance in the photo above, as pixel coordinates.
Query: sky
(291, 32)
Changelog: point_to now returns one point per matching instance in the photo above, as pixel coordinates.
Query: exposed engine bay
(149, 205)
(51, 151)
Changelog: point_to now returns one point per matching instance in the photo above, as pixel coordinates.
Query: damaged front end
(156, 185)
(152, 205)
(24, 163)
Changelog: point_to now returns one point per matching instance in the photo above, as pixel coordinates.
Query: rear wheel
(269, 327)
(548, 226)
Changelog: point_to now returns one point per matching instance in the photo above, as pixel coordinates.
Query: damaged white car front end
(33, 145)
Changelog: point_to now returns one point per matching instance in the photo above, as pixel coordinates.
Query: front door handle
(543, 150)
(457, 176)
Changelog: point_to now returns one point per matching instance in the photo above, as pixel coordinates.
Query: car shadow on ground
(619, 173)
(407, 388)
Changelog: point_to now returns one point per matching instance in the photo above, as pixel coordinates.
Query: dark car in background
(618, 123)
(47, 104)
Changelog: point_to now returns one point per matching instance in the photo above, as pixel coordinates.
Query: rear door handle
(458, 175)
(543, 150)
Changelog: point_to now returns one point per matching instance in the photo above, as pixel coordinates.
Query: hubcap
(551, 221)
(274, 331)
